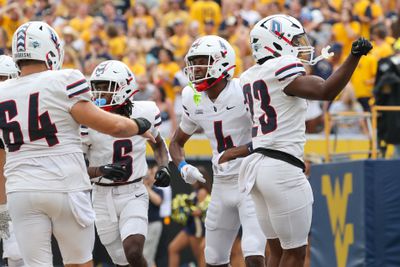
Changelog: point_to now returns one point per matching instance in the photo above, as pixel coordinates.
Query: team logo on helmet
(276, 26)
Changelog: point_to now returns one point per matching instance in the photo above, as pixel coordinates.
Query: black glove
(163, 177)
(143, 125)
(360, 47)
(116, 172)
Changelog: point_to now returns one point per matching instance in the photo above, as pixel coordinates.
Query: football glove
(163, 177)
(116, 172)
(4, 219)
(360, 47)
(143, 125)
(191, 174)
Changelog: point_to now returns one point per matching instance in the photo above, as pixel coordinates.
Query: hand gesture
(360, 47)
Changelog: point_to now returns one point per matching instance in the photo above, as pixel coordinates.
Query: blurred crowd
(152, 37)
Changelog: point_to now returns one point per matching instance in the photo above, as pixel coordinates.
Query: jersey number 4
(39, 126)
(267, 121)
(223, 143)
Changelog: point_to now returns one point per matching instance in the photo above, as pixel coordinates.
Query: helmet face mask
(198, 68)
(112, 84)
(280, 35)
(209, 60)
(38, 41)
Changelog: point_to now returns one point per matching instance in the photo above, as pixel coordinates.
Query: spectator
(191, 214)
(82, 21)
(155, 222)
(387, 93)
(176, 12)
(165, 72)
(146, 89)
(116, 41)
(206, 10)
(168, 116)
(98, 50)
(348, 125)
(180, 40)
(138, 15)
(346, 30)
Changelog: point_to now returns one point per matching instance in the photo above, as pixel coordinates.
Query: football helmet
(36, 40)
(279, 35)
(8, 68)
(221, 61)
(112, 83)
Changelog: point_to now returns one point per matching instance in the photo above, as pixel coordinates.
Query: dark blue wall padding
(356, 214)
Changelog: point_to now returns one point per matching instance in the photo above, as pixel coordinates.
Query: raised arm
(316, 88)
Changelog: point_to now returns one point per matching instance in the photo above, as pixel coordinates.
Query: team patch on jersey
(290, 70)
(77, 88)
(198, 112)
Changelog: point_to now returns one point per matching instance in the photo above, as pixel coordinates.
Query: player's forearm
(177, 152)
(160, 151)
(93, 172)
(339, 79)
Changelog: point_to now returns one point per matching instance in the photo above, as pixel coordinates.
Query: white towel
(81, 206)
(248, 172)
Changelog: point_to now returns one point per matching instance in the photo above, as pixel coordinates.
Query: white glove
(4, 219)
(191, 174)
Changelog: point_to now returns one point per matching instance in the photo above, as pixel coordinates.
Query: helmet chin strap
(325, 54)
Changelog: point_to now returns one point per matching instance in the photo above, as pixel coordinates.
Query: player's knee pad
(213, 257)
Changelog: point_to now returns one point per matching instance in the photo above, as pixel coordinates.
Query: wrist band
(181, 164)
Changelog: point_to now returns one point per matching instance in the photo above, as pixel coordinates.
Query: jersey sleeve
(288, 69)
(77, 88)
(187, 124)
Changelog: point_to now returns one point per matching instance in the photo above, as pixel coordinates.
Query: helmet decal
(21, 38)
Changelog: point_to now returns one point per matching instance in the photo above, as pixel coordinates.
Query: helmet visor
(304, 48)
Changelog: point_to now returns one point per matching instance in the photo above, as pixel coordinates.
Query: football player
(47, 183)
(118, 165)
(222, 115)
(11, 251)
(276, 89)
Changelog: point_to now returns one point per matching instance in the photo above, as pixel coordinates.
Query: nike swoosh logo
(229, 108)
(139, 195)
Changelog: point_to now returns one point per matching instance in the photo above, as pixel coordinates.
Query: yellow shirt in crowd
(206, 10)
(342, 35)
(364, 76)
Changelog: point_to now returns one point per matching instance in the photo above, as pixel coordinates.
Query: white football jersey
(36, 126)
(226, 122)
(278, 119)
(102, 149)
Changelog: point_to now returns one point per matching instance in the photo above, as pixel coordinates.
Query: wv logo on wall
(337, 238)
(337, 196)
